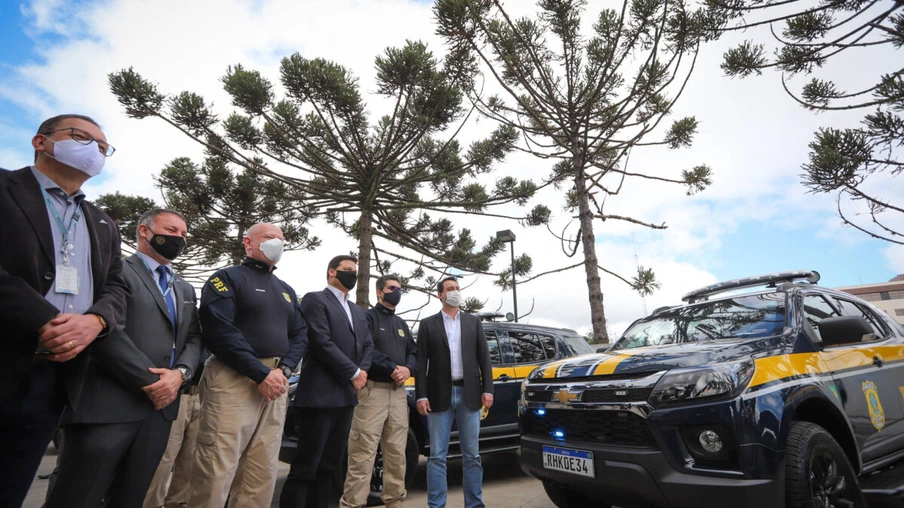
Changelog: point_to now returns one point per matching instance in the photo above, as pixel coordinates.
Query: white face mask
(272, 249)
(453, 298)
(85, 158)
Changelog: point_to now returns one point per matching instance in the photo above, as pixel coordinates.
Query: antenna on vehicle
(643, 300)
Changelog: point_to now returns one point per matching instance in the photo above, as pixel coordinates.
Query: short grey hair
(149, 217)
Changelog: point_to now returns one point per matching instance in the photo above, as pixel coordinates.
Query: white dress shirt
(343, 300)
(453, 333)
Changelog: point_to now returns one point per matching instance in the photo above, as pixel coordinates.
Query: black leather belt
(458, 382)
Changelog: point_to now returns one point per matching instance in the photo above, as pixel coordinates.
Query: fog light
(710, 441)
(540, 412)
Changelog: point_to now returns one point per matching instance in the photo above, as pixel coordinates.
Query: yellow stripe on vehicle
(551, 369)
(608, 366)
(778, 367)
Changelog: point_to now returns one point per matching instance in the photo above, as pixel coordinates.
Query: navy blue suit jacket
(335, 352)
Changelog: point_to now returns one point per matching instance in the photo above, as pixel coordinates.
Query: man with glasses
(61, 287)
(381, 416)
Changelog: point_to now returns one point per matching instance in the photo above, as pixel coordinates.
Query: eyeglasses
(393, 289)
(84, 138)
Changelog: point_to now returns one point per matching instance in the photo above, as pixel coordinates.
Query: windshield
(740, 317)
(577, 345)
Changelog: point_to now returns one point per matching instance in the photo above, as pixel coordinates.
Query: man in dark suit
(61, 288)
(454, 379)
(116, 436)
(340, 345)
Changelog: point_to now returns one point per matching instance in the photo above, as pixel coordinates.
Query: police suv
(789, 395)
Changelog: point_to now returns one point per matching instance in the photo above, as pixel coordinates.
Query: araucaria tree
(396, 178)
(584, 102)
(807, 36)
(219, 205)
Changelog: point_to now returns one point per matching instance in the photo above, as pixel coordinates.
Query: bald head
(261, 233)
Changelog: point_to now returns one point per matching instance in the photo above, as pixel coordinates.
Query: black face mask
(347, 279)
(168, 246)
(393, 298)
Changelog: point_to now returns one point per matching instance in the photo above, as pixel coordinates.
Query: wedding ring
(70, 345)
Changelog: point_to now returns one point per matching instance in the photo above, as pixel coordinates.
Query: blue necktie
(168, 295)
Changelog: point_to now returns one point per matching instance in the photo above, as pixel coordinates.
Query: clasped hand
(67, 335)
(274, 385)
(164, 391)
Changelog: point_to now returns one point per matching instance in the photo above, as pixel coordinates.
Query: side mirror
(844, 330)
(602, 349)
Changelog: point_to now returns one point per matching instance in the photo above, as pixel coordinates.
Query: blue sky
(755, 219)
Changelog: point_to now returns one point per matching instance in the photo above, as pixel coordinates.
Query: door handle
(504, 377)
(877, 361)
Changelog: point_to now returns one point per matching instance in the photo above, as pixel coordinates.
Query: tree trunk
(591, 265)
(365, 240)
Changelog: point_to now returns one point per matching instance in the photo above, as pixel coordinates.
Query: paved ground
(504, 485)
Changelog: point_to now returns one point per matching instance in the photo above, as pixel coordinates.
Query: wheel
(563, 497)
(817, 472)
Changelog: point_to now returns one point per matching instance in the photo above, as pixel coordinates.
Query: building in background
(888, 296)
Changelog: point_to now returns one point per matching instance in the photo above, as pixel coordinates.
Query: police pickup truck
(789, 395)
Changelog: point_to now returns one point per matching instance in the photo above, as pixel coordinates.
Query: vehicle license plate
(565, 460)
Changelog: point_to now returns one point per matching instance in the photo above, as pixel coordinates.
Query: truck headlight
(701, 382)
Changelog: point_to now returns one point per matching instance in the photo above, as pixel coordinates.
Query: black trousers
(27, 421)
(113, 462)
(322, 439)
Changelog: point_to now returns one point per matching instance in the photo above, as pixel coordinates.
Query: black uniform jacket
(248, 313)
(393, 344)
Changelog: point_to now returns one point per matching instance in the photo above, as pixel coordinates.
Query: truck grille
(596, 395)
(610, 427)
(616, 395)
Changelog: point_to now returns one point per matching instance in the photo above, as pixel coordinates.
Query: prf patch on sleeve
(218, 285)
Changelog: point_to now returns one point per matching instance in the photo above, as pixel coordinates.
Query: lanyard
(59, 220)
(169, 289)
(169, 279)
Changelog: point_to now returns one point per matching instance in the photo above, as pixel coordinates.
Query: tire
(818, 474)
(563, 497)
(376, 481)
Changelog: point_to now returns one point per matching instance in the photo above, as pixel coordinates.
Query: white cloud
(750, 133)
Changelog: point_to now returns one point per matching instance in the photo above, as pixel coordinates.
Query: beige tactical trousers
(381, 418)
(238, 439)
(177, 459)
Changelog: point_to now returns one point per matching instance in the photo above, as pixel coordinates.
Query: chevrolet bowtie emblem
(565, 396)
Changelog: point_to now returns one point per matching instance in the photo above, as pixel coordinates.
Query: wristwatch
(286, 371)
(186, 374)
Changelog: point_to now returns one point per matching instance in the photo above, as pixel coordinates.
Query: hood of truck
(638, 361)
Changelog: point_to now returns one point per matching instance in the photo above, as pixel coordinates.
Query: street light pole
(509, 237)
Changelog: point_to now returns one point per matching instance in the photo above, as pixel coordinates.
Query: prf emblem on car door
(876, 413)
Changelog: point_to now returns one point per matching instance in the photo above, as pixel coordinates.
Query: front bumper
(643, 477)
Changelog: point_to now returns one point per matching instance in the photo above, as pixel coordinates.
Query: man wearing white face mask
(61, 288)
(454, 379)
(253, 326)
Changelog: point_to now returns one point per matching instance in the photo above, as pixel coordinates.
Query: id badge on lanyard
(66, 274)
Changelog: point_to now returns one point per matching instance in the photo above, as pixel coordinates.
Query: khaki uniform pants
(381, 417)
(238, 439)
(170, 486)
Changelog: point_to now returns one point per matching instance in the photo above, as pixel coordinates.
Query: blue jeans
(440, 428)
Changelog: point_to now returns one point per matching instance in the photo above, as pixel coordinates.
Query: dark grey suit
(115, 439)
